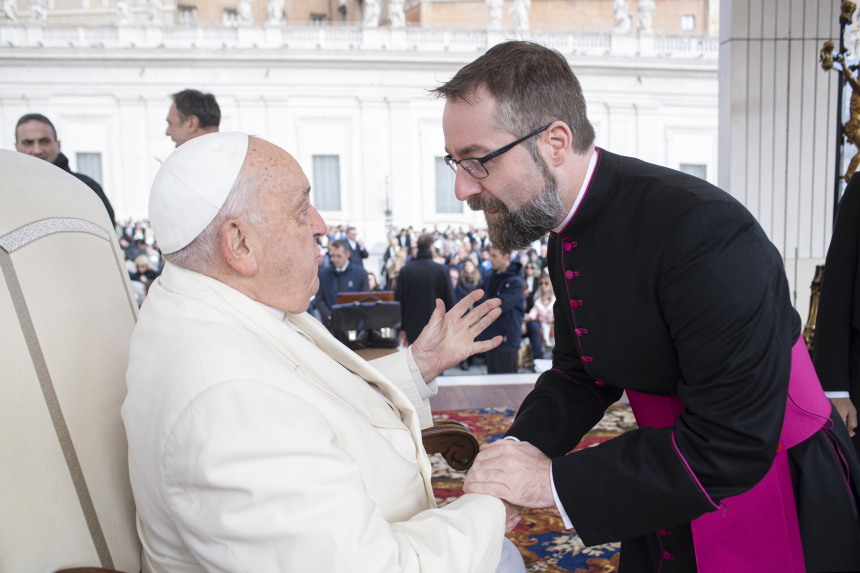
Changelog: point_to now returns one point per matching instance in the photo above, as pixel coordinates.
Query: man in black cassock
(668, 288)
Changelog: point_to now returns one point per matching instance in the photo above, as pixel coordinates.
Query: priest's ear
(560, 140)
(236, 247)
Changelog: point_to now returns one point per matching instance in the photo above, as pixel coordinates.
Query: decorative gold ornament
(848, 9)
(826, 57)
(809, 329)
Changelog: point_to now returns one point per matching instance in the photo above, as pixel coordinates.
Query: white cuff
(558, 505)
(511, 438)
(832, 395)
(425, 390)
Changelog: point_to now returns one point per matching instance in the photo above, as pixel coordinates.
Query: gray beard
(513, 231)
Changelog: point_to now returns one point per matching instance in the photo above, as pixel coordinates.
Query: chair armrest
(454, 441)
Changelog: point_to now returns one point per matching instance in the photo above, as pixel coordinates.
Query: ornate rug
(541, 537)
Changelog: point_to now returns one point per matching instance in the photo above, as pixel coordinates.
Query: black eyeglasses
(474, 166)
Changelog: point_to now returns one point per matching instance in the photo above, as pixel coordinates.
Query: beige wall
(585, 15)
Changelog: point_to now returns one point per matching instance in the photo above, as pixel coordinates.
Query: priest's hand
(449, 338)
(516, 472)
(847, 412)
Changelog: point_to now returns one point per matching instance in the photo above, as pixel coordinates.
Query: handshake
(515, 472)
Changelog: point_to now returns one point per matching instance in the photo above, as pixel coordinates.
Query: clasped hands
(515, 472)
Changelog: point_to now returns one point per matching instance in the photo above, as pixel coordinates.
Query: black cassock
(667, 285)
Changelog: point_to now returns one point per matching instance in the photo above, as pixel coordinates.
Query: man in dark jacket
(357, 252)
(35, 135)
(340, 276)
(504, 283)
(667, 288)
(420, 283)
(837, 329)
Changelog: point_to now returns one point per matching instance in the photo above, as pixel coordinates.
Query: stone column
(777, 123)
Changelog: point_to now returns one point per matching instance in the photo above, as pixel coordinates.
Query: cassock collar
(593, 196)
(586, 181)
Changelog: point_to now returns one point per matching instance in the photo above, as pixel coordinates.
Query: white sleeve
(257, 479)
(832, 395)
(398, 367)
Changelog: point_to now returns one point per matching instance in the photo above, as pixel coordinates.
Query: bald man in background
(35, 135)
(257, 441)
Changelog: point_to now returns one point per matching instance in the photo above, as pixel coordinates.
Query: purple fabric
(757, 531)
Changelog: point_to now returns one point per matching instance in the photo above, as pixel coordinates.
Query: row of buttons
(576, 303)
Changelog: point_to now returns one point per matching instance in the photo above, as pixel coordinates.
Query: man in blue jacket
(504, 282)
(340, 276)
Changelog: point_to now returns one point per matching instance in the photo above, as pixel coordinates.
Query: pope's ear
(235, 248)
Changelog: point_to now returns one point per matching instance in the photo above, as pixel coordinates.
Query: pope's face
(286, 242)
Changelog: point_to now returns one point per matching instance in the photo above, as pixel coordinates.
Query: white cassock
(259, 445)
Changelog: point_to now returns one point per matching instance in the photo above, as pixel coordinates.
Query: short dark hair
(339, 244)
(34, 117)
(534, 86)
(204, 106)
(501, 252)
(425, 241)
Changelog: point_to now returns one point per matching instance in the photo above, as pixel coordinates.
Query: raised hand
(449, 338)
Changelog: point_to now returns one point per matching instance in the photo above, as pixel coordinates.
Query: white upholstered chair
(66, 316)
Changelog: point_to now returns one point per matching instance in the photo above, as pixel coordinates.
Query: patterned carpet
(541, 537)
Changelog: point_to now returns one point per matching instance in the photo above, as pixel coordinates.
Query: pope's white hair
(201, 254)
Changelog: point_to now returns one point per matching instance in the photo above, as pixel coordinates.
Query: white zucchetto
(192, 185)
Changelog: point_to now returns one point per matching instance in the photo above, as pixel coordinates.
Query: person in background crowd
(145, 271)
(372, 284)
(530, 282)
(542, 257)
(504, 283)
(357, 252)
(457, 290)
(470, 278)
(395, 265)
(538, 322)
(393, 247)
(35, 135)
(419, 284)
(341, 276)
(191, 115)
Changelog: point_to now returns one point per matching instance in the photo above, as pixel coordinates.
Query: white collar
(276, 312)
(592, 163)
(341, 269)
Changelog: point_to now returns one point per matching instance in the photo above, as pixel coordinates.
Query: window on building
(318, 19)
(186, 15)
(90, 164)
(446, 202)
(688, 22)
(697, 169)
(327, 182)
(229, 17)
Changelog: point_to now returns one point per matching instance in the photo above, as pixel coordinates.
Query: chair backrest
(66, 316)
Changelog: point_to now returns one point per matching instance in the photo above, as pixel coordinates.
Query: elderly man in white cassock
(258, 442)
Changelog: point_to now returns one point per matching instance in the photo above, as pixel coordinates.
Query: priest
(667, 288)
(257, 441)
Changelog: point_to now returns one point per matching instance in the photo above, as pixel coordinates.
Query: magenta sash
(756, 531)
